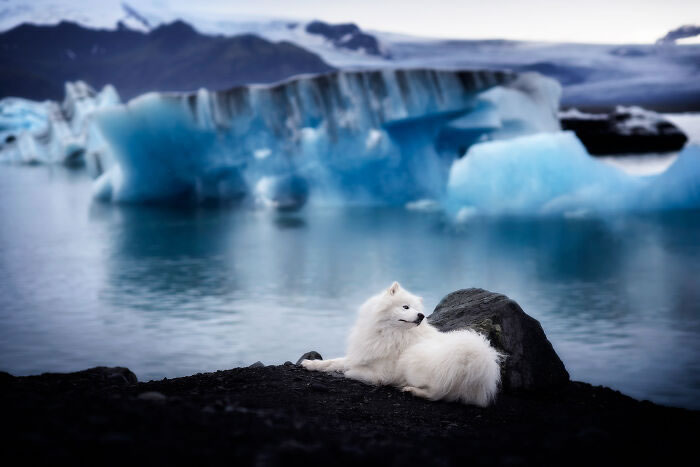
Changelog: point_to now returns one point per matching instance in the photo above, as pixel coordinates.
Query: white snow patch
(374, 137)
(689, 123)
(577, 114)
(263, 153)
(642, 164)
(425, 205)
(465, 214)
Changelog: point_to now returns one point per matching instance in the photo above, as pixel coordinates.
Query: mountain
(346, 36)
(682, 32)
(35, 61)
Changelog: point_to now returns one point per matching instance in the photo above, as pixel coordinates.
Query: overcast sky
(610, 21)
(562, 20)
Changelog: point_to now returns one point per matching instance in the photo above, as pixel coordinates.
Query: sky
(605, 21)
(593, 21)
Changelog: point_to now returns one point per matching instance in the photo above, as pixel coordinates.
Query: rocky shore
(284, 415)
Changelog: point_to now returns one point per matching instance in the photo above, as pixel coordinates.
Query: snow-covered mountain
(342, 43)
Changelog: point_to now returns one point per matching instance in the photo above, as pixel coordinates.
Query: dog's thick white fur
(391, 344)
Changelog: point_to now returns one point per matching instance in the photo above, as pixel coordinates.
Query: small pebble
(152, 396)
(319, 387)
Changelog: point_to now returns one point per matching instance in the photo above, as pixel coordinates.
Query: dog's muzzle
(416, 321)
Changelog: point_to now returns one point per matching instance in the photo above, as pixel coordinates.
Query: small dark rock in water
(627, 130)
(257, 364)
(313, 355)
(531, 362)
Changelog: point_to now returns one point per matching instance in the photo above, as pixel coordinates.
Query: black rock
(257, 364)
(627, 130)
(5, 378)
(118, 375)
(531, 362)
(312, 355)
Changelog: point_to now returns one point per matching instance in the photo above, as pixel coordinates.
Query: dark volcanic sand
(287, 415)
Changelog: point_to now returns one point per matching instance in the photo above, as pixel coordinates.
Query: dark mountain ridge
(35, 61)
(346, 36)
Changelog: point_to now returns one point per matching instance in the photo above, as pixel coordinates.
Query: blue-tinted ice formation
(553, 174)
(49, 132)
(358, 137)
(467, 142)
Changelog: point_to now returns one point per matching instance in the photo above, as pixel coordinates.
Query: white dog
(391, 344)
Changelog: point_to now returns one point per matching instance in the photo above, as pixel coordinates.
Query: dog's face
(402, 308)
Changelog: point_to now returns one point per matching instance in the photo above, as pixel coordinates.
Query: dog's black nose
(420, 318)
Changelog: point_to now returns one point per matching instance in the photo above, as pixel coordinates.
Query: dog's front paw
(418, 392)
(309, 364)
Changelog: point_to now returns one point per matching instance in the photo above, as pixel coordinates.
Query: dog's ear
(395, 287)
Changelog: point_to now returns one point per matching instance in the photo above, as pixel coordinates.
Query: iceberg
(469, 143)
(49, 132)
(17, 115)
(350, 137)
(546, 174)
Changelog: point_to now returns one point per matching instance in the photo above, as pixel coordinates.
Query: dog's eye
(405, 307)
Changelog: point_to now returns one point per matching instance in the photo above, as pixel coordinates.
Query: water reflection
(288, 221)
(163, 258)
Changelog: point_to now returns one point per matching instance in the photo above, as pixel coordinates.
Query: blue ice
(352, 137)
(552, 174)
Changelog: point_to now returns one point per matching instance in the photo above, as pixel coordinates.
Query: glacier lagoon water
(170, 292)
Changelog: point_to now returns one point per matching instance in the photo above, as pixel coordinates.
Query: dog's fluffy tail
(483, 371)
(460, 365)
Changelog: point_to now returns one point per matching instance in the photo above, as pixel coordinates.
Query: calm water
(169, 292)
